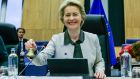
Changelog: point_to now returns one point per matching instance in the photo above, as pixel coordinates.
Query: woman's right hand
(30, 44)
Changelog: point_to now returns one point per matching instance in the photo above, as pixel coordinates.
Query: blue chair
(33, 70)
(131, 40)
(123, 45)
(40, 43)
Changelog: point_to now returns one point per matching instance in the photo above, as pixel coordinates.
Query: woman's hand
(100, 75)
(31, 47)
(30, 44)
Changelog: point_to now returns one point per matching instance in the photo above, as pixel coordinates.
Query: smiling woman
(74, 42)
(72, 18)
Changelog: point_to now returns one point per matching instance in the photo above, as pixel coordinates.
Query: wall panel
(132, 18)
(41, 18)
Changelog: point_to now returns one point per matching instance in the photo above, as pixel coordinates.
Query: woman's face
(72, 17)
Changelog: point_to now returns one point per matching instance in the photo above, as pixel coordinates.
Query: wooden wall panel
(132, 18)
(118, 50)
(41, 18)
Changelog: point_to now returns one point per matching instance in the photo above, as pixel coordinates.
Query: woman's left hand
(100, 75)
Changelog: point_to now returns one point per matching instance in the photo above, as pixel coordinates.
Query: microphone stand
(44, 45)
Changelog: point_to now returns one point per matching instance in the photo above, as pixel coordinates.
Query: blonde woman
(74, 41)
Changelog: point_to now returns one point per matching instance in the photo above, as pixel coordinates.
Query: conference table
(57, 77)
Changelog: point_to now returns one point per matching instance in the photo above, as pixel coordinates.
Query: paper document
(48, 77)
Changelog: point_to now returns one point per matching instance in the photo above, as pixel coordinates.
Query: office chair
(96, 24)
(3, 53)
(9, 34)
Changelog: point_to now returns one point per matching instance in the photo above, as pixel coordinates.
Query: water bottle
(13, 63)
(126, 67)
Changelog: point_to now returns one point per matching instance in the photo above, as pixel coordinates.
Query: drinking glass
(3, 72)
(136, 72)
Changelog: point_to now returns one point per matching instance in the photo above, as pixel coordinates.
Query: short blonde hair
(72, 3)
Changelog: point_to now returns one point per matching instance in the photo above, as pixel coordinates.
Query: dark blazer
(19, 46)
(21, 58)
(3, 53)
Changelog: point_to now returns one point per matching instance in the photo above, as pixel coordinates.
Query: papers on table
(48, 77)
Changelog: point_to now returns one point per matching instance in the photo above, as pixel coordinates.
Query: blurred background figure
(21, 48)
(129, 48)
(136, 50)
(22, 40)
(3, 53)
(133, 50)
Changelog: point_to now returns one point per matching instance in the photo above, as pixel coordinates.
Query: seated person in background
(21, 48)
(136, 50)
(73, 43)
(133, 50)
(129, 48)
(22, 40)
(3, 53)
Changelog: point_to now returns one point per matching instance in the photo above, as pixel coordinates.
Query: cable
(44, 45)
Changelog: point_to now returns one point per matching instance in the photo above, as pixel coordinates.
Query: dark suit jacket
(21, 58)
(19, 46)
(3, 53)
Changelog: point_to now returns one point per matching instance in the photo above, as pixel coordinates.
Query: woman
(73, 43)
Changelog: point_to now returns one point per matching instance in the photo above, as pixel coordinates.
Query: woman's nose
(71, 17)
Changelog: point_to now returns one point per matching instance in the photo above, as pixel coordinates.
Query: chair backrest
(9, 35)
(96, 24)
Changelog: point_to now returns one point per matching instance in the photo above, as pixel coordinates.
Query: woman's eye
(67, 15)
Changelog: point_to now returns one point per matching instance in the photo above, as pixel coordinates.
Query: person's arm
(99, 62)
(48, 52)
(3, 52)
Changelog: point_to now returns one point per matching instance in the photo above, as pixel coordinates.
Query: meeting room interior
(39, 38)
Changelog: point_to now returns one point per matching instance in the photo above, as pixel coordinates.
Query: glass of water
(136, 72)
(3, 71)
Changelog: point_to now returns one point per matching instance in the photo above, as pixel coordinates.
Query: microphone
(44, 45)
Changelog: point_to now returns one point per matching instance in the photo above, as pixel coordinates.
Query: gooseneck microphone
(44, 45)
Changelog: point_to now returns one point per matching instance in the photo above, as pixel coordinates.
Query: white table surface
(46, 77)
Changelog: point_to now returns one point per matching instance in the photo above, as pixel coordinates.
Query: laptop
(68, 67)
